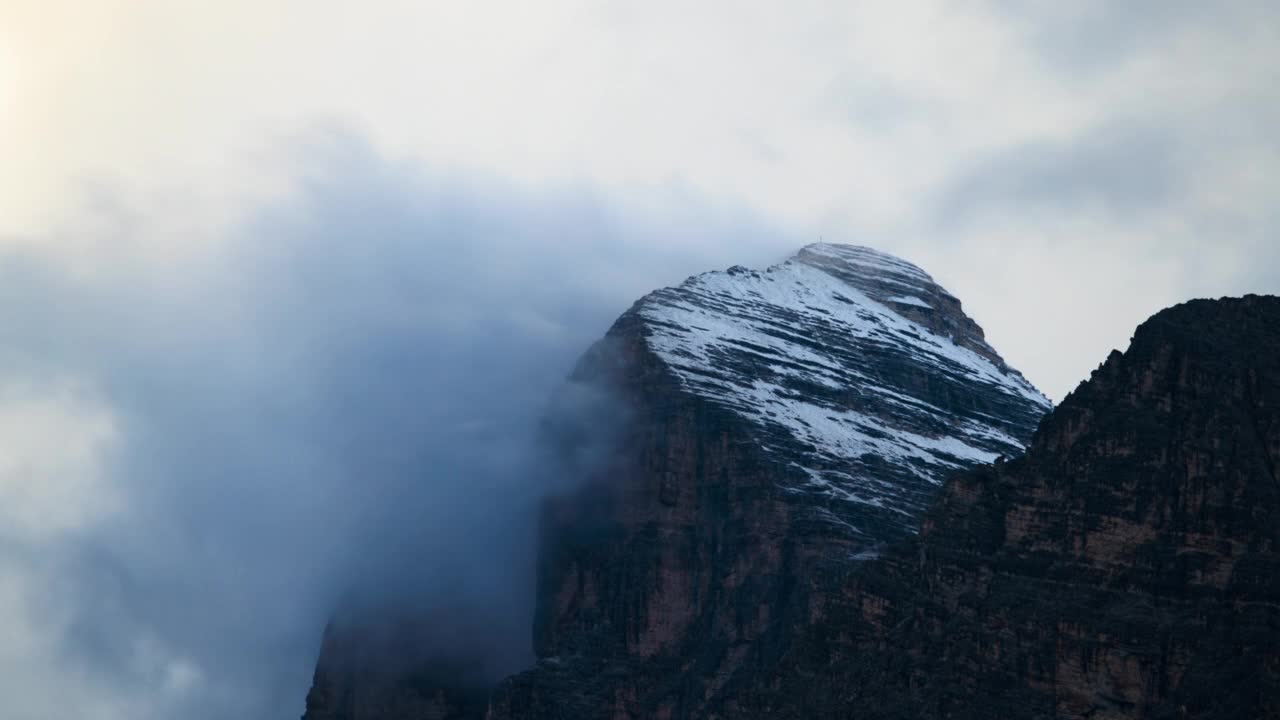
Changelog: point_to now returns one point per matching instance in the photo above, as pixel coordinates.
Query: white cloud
(846, 120)
(802, 111)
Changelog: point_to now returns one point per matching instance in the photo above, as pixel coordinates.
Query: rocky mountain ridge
(769, 534)
(1128, 566)
(854, 367)
(787, 424)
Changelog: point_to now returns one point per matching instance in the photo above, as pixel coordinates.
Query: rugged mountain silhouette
(1126, 567)
(775, 430)
(787, 425)
(765, 530)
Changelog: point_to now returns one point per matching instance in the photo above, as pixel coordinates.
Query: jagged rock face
(725, 559)
(784, 425)
(1126, 567)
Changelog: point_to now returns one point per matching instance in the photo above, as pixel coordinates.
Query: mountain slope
(1127, 567)
(782, 427)
(853, 366)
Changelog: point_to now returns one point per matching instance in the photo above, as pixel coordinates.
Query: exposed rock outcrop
(1126, 567)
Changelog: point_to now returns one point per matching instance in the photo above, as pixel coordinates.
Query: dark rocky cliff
(732, 556)
(1126, 567)
(787, 424)
(781, 428)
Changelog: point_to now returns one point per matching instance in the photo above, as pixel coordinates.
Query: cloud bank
(242, 373)
(205, 456)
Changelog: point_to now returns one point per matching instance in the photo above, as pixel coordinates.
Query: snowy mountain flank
(852, 366)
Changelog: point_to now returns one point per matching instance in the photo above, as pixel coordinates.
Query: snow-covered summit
(856, 370)
(902, 286)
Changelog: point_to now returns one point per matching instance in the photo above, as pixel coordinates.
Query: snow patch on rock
(844, 380)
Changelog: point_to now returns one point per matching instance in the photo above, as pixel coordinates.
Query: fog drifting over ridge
(246, 364)
(209, 453)
(341, 399)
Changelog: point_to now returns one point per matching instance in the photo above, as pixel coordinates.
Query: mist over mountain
(290, 289)
(334, 407)
(801, 492)
(754, 437)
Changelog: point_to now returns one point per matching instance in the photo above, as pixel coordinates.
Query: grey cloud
(343, 398)
(872, 105)
(1121, 171)
(1093, 36)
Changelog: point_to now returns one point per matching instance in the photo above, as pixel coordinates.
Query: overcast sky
(264, 266)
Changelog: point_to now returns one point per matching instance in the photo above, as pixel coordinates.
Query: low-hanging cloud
(206, 456)
(211, 434)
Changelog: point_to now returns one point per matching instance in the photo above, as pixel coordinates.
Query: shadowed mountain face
(764, 531)
(1126, 567)
(774, 430)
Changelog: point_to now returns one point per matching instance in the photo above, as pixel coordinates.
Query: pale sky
(207, 200)
(1065, 168)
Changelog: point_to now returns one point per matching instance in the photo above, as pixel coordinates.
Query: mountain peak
(784, 427)
(859, 257)
(766, 433)
(902, 286)
(851, 364)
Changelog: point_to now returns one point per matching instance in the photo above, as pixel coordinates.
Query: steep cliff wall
(774, 430)
(747, 546)
(787, 425)
(1126, 567)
